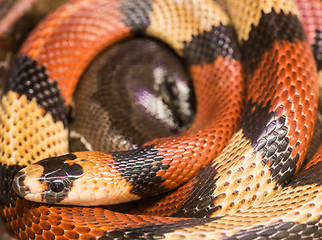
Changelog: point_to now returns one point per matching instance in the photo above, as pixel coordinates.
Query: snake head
(50, 180)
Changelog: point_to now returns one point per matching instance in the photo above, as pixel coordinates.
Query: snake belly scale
(232, 166)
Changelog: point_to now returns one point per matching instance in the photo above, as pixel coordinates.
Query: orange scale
(284, 95)
(283, 62)
(299, 111)
(23, 235)
(294, 138)
(172, 147)
(71, 234)
(296, 99)
(186, 156)
(298, 85)
(171, 181)
(190, 161)
(44, 211)
(174, 163)
(182, 147)
(195, 167)
(54, 222)
(30, 233)
(288, 107)
(300, 72)
(167, 157)
(280, 88)
(48, 235)
(183, 165)
(303, 95)
(35, 220)
(85, 236)
(39, 237)
(308, 89)
(82, 230)
(303, 134)
(291, 125)
(57, 231)
(61, 238)
(166, 161)
(301, 120)
(67, 226)
(164, 174)
(276, 104)
(27, 220)
(198, 149)
(11, 212)
(309, 117)
(44, 224)
(179, 151)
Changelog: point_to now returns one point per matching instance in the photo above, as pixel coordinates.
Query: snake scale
(232, 169)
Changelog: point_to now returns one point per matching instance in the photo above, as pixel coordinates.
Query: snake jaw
(18, 184)
(26, 183)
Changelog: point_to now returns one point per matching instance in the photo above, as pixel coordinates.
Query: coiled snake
(240, 161)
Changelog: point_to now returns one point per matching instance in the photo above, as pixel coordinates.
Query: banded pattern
(228, 87)
(243, 173)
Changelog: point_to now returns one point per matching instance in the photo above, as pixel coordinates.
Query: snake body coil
(232, 158)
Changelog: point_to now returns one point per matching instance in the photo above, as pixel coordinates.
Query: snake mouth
(18, 184)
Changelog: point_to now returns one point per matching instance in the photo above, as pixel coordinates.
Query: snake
(236, 173)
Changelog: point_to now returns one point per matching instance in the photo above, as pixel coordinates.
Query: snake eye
(57, 186)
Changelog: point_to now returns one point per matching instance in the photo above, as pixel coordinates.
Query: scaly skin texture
(243, 173)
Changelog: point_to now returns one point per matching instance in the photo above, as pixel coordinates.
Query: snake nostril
(26, 190)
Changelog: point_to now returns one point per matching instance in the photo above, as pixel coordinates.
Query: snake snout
(19, 185)
(28, 182)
